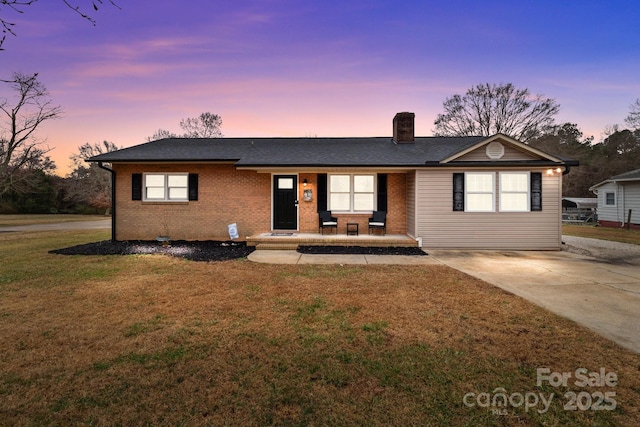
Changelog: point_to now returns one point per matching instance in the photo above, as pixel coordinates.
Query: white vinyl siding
(166, 186)
(440, 228)
(627, 197)
(510, 153)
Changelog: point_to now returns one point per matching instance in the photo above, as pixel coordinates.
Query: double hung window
(351, 193)
(480, 188)
(609, 198)
(514, 191)
(166, 186)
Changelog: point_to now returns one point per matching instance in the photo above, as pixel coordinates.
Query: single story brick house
(619, 200)
(449, 192)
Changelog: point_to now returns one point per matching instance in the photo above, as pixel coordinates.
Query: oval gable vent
(495, 150)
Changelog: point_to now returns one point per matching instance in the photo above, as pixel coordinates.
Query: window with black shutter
(136, 186)
(193, 186)
(536, 191)
(322, 192)
(382, 192)
(458, 191)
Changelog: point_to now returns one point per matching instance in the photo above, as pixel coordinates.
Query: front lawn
(604, 233)
(155, 340)
(31, 219)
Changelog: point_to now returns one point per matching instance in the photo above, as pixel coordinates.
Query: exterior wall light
(551, 172)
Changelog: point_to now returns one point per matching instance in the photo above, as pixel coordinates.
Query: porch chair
(378, 221)
(327, 221)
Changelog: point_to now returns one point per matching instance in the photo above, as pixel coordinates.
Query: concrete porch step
(288, 242)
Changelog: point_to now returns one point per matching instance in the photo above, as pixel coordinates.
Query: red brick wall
(308, 211)
(225, 196)
(396, 215)
(618, 224)
(397, 203)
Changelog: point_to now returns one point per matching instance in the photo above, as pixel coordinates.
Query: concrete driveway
(601, 293)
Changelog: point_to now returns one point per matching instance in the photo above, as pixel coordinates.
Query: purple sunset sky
(316, 68)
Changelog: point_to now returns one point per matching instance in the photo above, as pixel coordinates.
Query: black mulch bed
(209, 250)
(359, 250)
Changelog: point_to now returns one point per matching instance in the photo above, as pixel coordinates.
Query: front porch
(291, 240)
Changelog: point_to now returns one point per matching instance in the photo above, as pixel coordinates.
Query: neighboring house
(450, 192)
(619, 200)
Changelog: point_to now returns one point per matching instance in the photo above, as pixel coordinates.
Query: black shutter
(322, 192)
(193, 186)
(136, 186)
(382, 192)
(536, 191)
(458, 192)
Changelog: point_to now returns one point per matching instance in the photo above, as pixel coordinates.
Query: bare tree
(206, 125)
(161, 134)
(87, 183)
(21, 152)
(487, 109)
(633, 119)
(18, 6)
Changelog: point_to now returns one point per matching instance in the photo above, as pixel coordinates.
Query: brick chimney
(404, 128)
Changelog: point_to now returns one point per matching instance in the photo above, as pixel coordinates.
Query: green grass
(604, 233)
(152, 340)
(15, 220)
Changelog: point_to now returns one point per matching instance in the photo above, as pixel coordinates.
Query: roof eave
(501, 163)
(233, 161)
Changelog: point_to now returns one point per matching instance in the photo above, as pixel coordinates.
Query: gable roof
(304, 152)
(630, 176)
(627, 176)
(504, 138)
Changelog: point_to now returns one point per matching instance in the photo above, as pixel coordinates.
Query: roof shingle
(380, 151)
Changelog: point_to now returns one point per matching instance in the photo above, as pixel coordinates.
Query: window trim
(467, 192)
(166, 176)
(615, 199)
(527, 191)
(352, 192)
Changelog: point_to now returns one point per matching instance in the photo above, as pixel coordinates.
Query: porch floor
(284, 240)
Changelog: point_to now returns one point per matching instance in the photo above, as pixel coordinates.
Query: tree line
(487, 109)
(28, 183)
(27, 180)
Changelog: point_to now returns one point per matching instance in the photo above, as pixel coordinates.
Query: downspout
(620, 197)
(113, 199)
